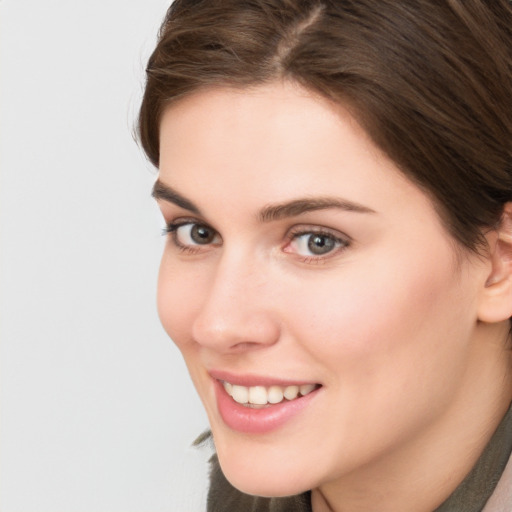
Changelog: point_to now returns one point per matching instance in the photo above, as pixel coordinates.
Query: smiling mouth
(260, 396)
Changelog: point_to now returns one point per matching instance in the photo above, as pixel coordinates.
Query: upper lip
(250, 379)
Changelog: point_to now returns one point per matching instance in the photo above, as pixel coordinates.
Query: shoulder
(223, 497)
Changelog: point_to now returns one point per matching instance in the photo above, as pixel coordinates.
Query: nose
(237, 312)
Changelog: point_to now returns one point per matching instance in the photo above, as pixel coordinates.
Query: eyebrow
(271, 212)
(167, 193)
(299, 206)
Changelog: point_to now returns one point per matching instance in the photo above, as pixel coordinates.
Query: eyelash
(341, 241)
(171, 229)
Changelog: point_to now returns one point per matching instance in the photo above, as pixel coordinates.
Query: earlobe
(496, 301)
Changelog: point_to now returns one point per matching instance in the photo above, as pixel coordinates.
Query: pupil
(320, 244)
(201, 234)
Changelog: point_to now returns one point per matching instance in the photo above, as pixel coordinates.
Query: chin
(267, 485)
(264, 474)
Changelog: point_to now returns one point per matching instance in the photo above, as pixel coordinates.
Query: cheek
(386, 325)
(391, 348)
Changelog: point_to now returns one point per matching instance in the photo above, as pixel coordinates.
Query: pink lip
(257, 421)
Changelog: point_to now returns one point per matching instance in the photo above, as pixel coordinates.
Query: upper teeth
(260, 395)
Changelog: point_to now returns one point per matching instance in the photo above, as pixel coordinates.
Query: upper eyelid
(172, 226)
(183, 221)
(318, 229)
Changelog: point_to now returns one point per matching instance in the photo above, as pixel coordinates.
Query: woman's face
(298, 255)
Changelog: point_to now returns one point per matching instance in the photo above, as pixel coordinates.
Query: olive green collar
(474, 491)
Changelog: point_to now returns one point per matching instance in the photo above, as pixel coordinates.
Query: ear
(496, 300)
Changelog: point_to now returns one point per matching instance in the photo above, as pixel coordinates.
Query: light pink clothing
(501, 498)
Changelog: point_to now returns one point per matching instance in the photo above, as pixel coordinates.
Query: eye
(315, 243)
(192, 234)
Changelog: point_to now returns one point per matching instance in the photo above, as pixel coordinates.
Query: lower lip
(258, 421)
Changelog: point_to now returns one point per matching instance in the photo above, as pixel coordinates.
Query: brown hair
(429, 80)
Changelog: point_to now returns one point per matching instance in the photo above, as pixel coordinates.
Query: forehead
(261, 133)
(243, 118)
(272, 143)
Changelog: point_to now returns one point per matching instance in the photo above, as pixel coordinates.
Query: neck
(422, 473)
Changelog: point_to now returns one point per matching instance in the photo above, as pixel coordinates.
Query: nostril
(245, 345)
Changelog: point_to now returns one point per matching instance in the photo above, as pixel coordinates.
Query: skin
(413, 383)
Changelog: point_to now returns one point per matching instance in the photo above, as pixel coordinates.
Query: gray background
(97, 409)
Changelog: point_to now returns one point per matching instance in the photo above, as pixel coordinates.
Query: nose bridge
(236, 309)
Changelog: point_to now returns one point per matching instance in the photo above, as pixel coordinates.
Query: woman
(336, 178)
